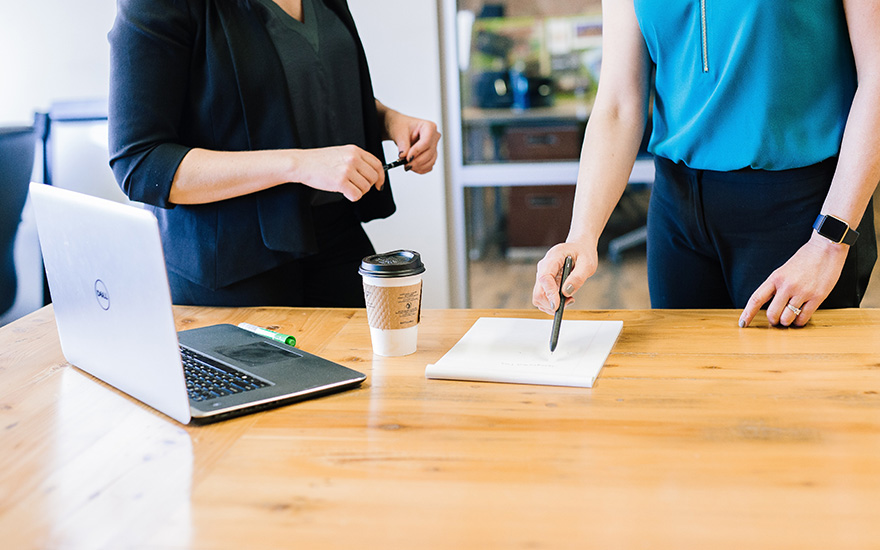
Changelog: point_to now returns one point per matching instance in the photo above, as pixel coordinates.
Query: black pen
(395, 164)
(557, 319)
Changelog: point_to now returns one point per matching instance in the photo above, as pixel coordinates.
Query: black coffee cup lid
(400, 263)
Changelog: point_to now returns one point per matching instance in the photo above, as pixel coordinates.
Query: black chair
(17, 147)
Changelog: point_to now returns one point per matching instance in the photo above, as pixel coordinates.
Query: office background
(61, 53)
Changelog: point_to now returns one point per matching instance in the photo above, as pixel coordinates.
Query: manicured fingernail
(742, 323)
(569, 290)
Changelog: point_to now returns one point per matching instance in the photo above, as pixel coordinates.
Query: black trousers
(714, 237)
(327, 279)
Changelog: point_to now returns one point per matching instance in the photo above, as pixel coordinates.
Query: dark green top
(320, 62)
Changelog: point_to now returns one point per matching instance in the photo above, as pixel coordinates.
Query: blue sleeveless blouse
(765, 84)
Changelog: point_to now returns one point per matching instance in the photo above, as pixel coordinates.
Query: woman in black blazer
(250, 128)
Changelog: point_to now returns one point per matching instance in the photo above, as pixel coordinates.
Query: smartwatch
(835, 229)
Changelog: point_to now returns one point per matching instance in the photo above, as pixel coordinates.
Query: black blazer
(205, 73)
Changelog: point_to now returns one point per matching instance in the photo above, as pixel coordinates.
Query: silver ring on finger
(794, 309)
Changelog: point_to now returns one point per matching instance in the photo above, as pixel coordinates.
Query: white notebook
(517, 351)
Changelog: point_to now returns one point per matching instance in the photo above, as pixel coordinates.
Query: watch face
(833, 229)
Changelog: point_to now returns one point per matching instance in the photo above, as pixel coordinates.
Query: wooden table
(698, 434)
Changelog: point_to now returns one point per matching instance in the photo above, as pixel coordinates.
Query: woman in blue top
(766, 137)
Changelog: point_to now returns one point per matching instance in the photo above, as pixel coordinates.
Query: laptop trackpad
(256, 354)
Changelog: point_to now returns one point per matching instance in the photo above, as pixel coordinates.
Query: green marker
(270, 334)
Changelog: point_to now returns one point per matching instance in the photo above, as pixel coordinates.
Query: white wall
(52, 50)
(58, 50)
(401, 38)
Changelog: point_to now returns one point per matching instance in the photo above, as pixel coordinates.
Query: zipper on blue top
(704, 46)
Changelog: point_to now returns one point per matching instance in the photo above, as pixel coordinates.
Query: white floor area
(29, 267)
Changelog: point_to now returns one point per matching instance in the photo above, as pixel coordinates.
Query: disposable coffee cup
(393, 292)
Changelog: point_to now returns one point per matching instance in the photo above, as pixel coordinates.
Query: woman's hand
(545, 295)
(803, 282)
(345, 169)
(416, 139)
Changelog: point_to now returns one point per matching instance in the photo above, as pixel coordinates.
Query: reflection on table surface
(697, 434)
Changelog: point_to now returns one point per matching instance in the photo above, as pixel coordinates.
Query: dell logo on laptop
(102, 295)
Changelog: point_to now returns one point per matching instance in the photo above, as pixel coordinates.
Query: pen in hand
(557, 318)
(395, 164)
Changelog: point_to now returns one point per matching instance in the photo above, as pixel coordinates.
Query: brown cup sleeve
(393, 307)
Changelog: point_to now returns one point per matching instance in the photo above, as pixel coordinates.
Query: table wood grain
(697, 434)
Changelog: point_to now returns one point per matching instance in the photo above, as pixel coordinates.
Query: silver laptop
(112, 305)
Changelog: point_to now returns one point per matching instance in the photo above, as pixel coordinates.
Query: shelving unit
(518, 93)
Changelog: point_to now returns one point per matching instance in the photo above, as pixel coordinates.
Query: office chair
(17, 147)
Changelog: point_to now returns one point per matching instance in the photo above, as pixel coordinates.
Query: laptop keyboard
(207, 379)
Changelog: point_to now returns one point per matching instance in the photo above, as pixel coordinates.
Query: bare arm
(614, 132)
(810, 275)
(858, 168)
(209, 176)
(416, 139)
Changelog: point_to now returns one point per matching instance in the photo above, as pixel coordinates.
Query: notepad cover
(517, 351)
